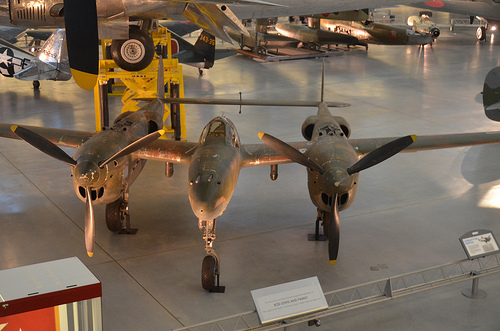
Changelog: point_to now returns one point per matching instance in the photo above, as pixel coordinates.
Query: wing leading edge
(429, 142)
(60, 137)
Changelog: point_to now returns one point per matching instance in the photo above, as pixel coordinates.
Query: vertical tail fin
(206, 45)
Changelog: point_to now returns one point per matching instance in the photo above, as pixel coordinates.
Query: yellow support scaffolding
(141, 84)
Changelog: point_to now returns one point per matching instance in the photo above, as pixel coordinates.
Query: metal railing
(367, 294)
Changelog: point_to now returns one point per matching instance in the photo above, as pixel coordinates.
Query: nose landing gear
(210, 270)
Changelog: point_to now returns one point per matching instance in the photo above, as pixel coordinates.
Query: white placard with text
(287, 300)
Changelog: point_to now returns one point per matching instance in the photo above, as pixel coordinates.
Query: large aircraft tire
(113, 215)
(481, 33)
(208, 272)
(133, 54)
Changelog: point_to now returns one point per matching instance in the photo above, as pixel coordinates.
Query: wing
(60, 137)
(260, 154)
(364, 146)
(181, 152)
(168, 151)
(160, 150)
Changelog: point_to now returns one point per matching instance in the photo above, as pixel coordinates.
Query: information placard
(479, 243)
(287, 300)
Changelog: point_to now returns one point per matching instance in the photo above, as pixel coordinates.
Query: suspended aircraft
(128, 23)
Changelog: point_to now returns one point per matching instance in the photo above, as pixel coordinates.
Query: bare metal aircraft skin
(49, 63)
(216, 159)
(376, 33)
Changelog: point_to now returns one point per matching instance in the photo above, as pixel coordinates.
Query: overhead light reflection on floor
(491, 199)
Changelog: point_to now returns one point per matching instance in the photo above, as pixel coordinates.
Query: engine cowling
(344, 125)
(308, 127)
(310, 122)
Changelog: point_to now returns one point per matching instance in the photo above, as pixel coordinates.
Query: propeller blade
(382, 153)
(284, 149)
(334, 231)
(43, 144)
(82, 39)
(89, 223)
(138, 144)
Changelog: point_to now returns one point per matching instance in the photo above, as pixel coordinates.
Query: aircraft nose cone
(86, 173)
(207, 200)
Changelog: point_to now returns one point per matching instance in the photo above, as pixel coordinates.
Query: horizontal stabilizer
(237, 102)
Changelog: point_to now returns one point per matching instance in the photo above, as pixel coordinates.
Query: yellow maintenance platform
(141, 84)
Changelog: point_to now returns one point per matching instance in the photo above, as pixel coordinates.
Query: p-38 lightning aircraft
(215, 162)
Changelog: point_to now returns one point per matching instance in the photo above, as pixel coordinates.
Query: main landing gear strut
(324, 219)
(210, 270)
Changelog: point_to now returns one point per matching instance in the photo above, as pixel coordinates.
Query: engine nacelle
(308, 127)
(310, 122)
(435, 32)
(344, 125)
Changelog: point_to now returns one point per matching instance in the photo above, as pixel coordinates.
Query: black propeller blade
(334, 231)
(381, 154)
(43, 145)
(82, 39)
(286, 150)
(136, 145)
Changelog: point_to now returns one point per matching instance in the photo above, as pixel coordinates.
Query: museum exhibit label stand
(142, 84)
(477, 244)
(55, 295)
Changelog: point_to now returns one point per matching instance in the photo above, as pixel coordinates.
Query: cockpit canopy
(220, 130)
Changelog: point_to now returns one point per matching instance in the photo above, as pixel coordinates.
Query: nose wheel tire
(208, 276)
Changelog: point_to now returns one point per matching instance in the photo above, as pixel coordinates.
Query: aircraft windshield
(219, 129)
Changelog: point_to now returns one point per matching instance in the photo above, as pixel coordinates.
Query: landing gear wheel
(208, 276)
(114, 215)
(36, 85)
(133, 54)
(481, 33)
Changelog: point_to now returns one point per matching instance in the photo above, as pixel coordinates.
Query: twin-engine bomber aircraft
(215, 161)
